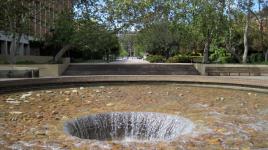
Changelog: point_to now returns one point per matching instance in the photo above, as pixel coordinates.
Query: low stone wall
(46, 70)
(246, 83)
(62, 67)
(203, 68)
(18, 72)
(35, 59)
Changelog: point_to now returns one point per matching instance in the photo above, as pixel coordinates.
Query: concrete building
(44, 13)
(5, 43)
(42, 16)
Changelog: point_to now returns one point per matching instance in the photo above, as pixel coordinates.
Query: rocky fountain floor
(223, 118)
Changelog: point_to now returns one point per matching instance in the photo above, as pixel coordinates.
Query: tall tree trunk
(12, 49)
(107, 54)
(245, 55)
(61, 52)
(207, 47)
(206, 51)
(231, 50)
(15, 45)
(266, 56)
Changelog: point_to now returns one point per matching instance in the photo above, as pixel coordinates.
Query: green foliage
(86, 36)
(155, 59)
(196, 59)
(123, 53)
(63, 32)
(195, 54)
(185, 58)
(179, 59)
(158, 39)
(64, 29)
(217, 53)
(225, 60)
(139, 52)
(162, 27)
(256, 58)
(14, 16)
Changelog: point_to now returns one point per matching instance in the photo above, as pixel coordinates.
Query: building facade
(42, 17)
(44, 13)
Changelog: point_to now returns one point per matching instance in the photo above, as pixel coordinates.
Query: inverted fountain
(143, 126)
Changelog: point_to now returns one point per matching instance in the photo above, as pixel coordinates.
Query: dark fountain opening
(145, 126)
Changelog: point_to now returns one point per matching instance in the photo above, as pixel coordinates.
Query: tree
(158, 39)
(171, 26)
(14, 20)
(84, 35)
(208, 18)
(262, 13)
(62, 34)
(234, 29)
(246, 46)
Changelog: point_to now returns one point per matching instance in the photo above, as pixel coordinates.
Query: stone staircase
(130, 69)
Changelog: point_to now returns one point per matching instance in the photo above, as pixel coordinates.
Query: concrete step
(131, 69)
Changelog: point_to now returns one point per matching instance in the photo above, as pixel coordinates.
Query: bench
(236, 71)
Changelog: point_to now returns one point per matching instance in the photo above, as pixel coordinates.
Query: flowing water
(144, 126)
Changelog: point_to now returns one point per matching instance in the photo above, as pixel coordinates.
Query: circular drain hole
(129, 125)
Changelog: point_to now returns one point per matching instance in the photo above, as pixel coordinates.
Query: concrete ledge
(45, 70)
(17, 84)
(202, 68)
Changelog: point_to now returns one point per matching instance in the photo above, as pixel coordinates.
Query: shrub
(155, 59)
(179, 59)
(123, 53)
(195, 54)
(225, 60)
(256, 58)
(196, 59)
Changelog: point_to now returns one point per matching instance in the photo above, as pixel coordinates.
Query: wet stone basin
(170, 116)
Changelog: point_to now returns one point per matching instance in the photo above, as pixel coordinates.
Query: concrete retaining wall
(46, 70)
(202, 67)
(18, 72)
(246, 83)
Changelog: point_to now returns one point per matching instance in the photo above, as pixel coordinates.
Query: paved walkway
(130, 60)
